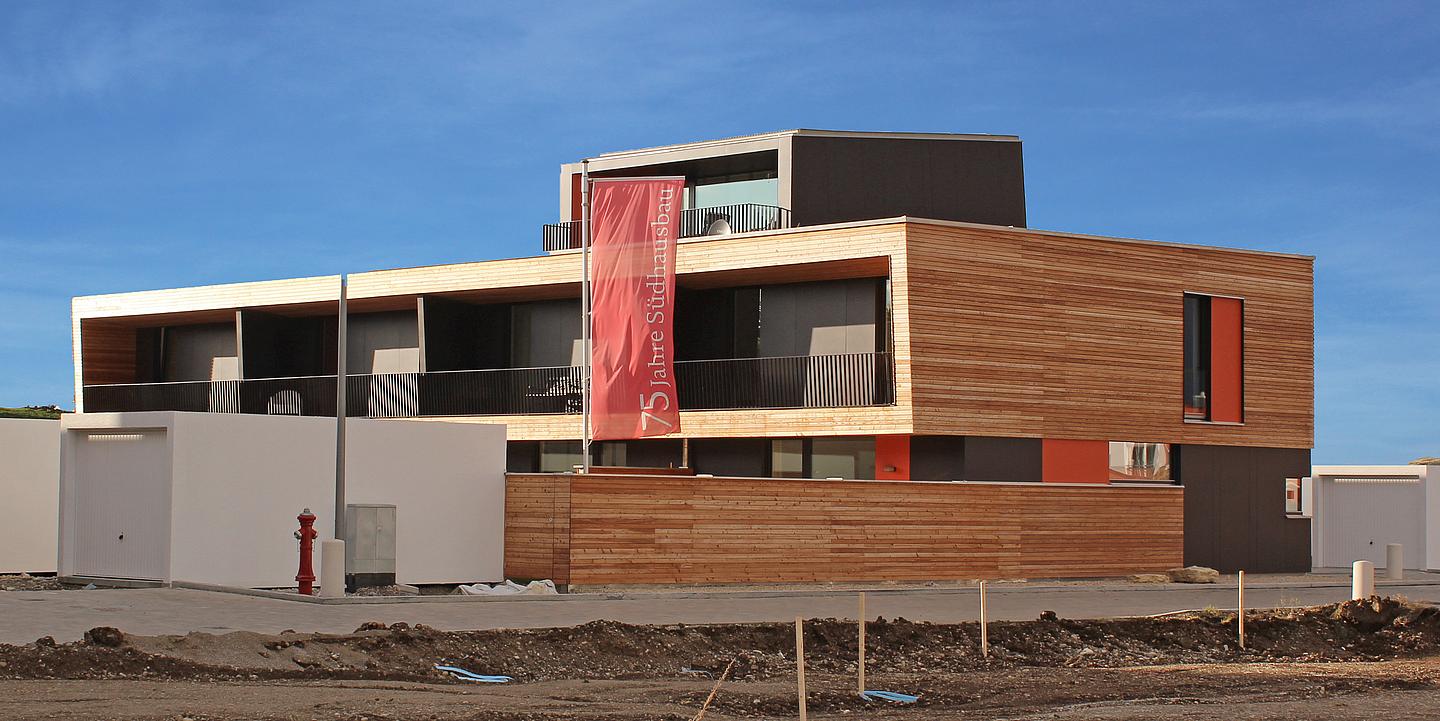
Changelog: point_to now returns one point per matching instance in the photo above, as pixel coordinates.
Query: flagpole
(585, 314)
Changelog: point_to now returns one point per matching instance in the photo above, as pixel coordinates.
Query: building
(850, 305)
(1356, 511)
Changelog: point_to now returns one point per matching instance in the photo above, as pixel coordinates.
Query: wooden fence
(620, 529)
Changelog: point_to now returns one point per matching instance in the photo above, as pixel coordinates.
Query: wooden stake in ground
(1240, 607)
(984, 630)
(800, 664)
(861, 680)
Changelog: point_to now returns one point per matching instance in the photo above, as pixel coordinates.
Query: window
(1294, 490)
(1197, 357)
(761, 187)
(1214, 358)
(560, 456)
(787, 458)
(842, 458)
(852, 457)
(1139, 461)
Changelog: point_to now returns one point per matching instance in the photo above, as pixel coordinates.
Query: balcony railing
(824, 381)
(694, 222)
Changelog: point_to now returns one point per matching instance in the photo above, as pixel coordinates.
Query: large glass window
(762, 188)
(852, 457)
(1197, 357)
(1139, 461)
(787, 458)
(842, 458)
(560, 456)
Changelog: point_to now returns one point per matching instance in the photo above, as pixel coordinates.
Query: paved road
(66, 615)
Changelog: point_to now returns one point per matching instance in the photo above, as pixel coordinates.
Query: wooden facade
(997, 332)
(631, 529)
(1022, 333)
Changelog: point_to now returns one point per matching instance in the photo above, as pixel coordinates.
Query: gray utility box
(369, 545)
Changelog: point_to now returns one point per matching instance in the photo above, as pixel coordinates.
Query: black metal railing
(817, 381)
(513, 391)
(694, 222)
(197, 396)
(822, 381)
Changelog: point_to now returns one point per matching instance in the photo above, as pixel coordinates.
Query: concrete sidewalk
(66, 615)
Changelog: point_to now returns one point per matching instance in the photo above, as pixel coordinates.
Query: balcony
(694, 222)
(823, 381)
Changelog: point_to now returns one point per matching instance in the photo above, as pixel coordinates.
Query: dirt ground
(1378, 659)
(26, 582)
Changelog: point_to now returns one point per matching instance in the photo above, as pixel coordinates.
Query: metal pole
(340, 376)
(585, 314)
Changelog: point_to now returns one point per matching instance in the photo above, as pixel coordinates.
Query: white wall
(30, 489)
(447, 483)
(240, 480)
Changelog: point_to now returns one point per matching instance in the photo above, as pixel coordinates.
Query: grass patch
(45, 413)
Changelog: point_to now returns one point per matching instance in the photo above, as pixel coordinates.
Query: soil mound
(1373, 629)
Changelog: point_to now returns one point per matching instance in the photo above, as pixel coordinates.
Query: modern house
(850, 305)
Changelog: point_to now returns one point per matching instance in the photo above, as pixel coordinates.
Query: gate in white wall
(1356, 516)
(122, 504)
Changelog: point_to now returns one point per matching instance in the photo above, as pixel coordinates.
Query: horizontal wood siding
(683, 530)
(537, 527)
(1031, 334)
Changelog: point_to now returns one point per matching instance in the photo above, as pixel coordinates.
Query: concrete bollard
(1394, 561)
(1362, 580)
(332, 568)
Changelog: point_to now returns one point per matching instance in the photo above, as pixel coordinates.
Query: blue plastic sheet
(890, 696)
(464, 675)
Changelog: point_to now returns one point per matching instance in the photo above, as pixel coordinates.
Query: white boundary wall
(29, 494)
(1357, 510)
(238, 481)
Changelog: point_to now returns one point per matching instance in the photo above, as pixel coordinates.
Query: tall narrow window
(1197, 357)
(1214, 358)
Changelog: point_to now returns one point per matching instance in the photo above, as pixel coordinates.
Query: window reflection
(1139, 461)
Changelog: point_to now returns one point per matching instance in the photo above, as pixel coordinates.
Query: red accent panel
(577, 197)
(1075, 461)
(1227, 353)
(892, 452)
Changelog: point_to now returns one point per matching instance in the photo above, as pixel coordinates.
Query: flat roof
(324, 288)
(809, 132)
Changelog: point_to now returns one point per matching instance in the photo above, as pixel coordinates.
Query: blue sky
(149, 144)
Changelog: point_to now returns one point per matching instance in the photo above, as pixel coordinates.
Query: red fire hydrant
(306, 535)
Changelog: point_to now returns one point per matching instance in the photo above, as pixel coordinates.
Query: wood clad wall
(647, 529)
(107, 352)
(537, 527)
(1018, 333)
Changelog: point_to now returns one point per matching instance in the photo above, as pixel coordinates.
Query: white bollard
(1394, 561)
(1362, 580)
(332, 568)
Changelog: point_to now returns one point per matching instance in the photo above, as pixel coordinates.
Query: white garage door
(1359, 516)
(121, 496)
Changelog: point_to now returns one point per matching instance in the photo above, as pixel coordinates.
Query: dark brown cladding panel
(1235, 508)
(835, 180)
(974, 458)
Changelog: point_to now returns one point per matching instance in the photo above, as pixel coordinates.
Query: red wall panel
(1227, 352)
(892, 452)
(1065, 461)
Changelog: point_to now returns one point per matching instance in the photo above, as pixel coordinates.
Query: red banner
(634, 226)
